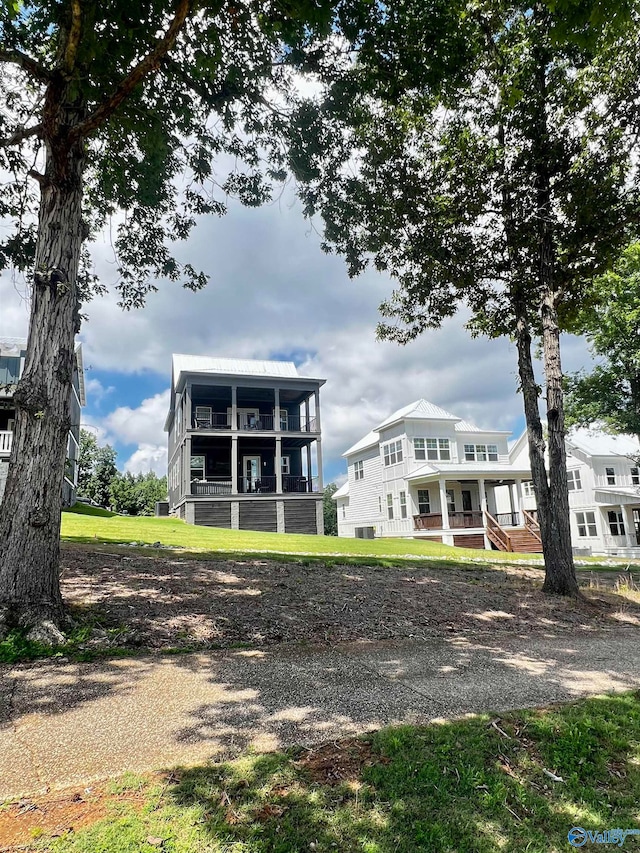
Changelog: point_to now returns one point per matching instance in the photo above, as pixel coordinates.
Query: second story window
(481, 452)
(358, 470)
(438, 449)
(392, 452)
(9, 370)
(527, 489)
(574, 483)
(419, 450)
(197, 468)
(635, 476)
(611, 476)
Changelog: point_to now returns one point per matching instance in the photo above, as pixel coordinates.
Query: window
(9, 369)
(611, 476)
(438, 448)
(379, 504)
(635, 476)
(616, 522)
(358, 470)
(574, 482)
(419, 451)
(344, 511)
(197, 468)
(392, 452)
(586, 523)
(403, 504)
(527, 489)
(424, 503)
(390, 507)
(481, 452)
(285, 462)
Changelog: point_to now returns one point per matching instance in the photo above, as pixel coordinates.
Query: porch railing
(457, 520)
(249, 422)
(496, 534)
(531, 523)
(6, 441)
(212, 486)
(257, 485)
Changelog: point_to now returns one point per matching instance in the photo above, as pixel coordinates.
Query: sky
(273, 293)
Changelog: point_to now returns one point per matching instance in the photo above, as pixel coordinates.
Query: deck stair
(522, 540)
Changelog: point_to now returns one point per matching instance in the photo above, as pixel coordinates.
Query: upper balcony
(207, 419)
(6, 442)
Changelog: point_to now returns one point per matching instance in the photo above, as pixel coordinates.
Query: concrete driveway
(70, 723)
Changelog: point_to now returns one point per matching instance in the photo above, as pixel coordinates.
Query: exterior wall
(362, 507)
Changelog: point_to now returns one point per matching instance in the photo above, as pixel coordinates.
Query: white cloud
(143, 425)
(148, 457)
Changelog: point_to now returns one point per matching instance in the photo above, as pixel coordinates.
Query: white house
(425, 473)
(604, 491)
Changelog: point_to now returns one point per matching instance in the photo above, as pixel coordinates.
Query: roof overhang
(468, 472)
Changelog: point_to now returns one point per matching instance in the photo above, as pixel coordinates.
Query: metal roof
(599, 443)
(224, 366)
(369, 440)
(342, 492)
(421, 409)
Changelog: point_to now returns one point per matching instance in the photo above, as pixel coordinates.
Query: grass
(466, 786)
(103, 527)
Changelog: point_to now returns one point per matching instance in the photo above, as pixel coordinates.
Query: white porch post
(317, 408)
(629, 528)
(234, 464)
(234, 408)
(483, 507)
(306, 415)
(444, 509)
(520, 500)
(187, 466)
(278, 464)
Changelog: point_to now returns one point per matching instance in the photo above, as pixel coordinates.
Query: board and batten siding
(362, 508)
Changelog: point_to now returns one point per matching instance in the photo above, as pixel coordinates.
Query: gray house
(245, 448)
(12, 355)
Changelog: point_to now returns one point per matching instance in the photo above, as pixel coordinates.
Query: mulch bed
(170, 600)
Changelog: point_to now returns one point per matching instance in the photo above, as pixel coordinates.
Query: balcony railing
(253, 485)
(626, 480)
(433, 520)
(250, 422)
(6, 441)
(507, 519)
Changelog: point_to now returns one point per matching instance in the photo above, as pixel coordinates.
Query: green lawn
(91, 525)
(461, 787)
(87, 526)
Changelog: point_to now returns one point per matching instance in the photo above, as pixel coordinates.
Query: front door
(466, 501)
(251, 473)
(636, 524)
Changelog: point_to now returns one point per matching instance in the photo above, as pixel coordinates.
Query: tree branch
(148, 64)
(71, 48)
(21, 135)
(27, 63)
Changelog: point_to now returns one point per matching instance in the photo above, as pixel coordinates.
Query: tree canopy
(609, 395)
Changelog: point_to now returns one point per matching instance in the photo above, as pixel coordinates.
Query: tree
(330, 510)
(137, 494)
(610, 394)
(104, 106)
(96, 469)
(484, 155)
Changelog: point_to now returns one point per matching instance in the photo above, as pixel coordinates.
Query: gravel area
(168, 601)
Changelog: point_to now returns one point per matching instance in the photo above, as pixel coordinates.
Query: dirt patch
(60, 814)
(339, 762)
(169, 600)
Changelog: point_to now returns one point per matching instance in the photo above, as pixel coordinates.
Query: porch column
(186, 471)
(234, 464)
(309, 483)
(483, 509)
(317, 401)
(444, 509)
(306, 415)
(319, 460)
(276, 409)
(234, 408)
(520, 500)
(629, 527)
(188, 413)
(278, 464)
(512, 498)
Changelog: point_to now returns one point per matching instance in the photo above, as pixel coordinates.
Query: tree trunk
(30, 512)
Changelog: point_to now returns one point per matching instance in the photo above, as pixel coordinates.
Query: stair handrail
(496, 532)
(532, 525)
